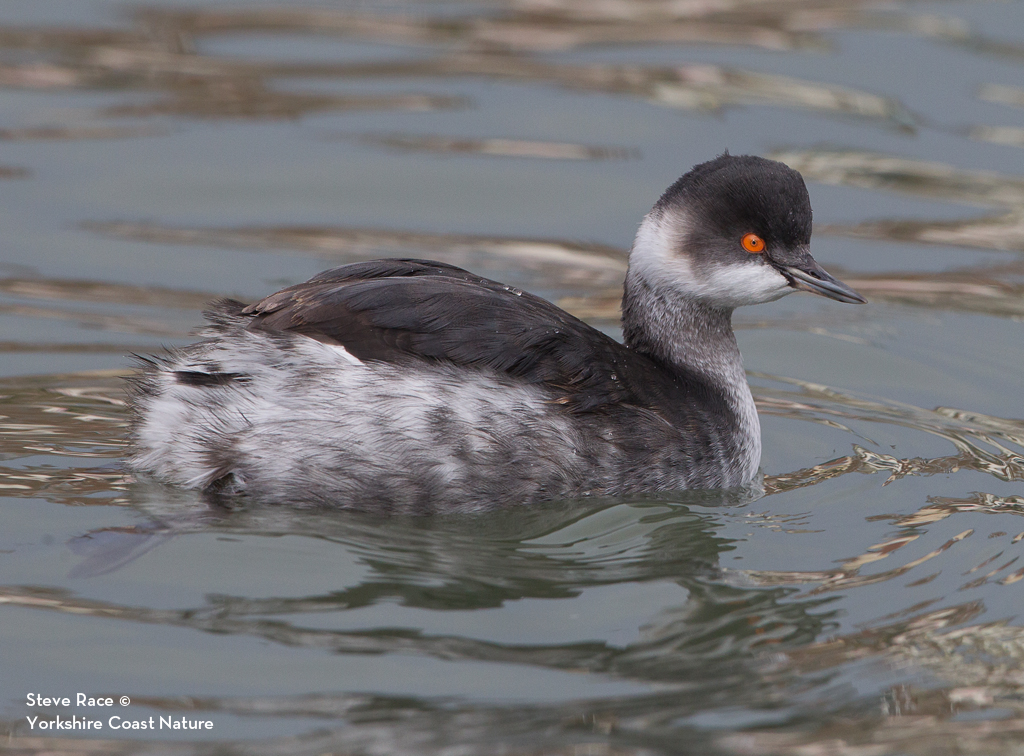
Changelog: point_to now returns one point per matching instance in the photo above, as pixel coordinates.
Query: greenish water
(155, 157)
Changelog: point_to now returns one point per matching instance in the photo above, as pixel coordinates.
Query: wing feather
(401, 310)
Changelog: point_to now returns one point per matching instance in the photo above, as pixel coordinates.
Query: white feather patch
(339, 350)
(656, 255)
(659, 258)
(737, 284)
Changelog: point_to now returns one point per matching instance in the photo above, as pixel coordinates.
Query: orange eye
(753, 243)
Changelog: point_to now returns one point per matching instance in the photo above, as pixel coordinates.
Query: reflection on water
(926, 180)
(160, 55)
(67, 133)
(1001, 232)
(818, 612)
(1002, 94)
(561, 262)
(101, 291)
(1011, 135)
(523, 27)
(497, 147)
(728, 620)
(934, 721)
(923, 179)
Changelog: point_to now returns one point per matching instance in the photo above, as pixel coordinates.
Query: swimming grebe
(410, 385)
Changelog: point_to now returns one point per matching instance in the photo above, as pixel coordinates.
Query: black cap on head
(739, 211)
(734, 194)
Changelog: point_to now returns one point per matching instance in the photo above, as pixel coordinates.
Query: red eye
(753, 243)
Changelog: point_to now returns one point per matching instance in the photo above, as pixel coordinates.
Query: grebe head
(733, 231)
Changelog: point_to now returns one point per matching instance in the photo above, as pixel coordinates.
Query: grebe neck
(695, 341)
(685, 334)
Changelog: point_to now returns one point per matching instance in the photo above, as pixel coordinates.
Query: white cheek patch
(654, 256)
(657, 257)
(735, 285)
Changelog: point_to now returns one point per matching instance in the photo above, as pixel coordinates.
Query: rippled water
(863, 600)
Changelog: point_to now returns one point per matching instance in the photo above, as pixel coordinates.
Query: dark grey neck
(682, 333)
(696, 342)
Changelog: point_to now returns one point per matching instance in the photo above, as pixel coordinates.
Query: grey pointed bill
(812, 277)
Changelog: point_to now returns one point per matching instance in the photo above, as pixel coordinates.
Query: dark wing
(400, 310)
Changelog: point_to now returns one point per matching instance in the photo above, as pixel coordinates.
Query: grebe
(416, 386)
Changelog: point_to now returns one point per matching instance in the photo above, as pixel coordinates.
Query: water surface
(865, 599)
